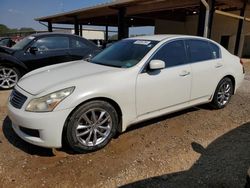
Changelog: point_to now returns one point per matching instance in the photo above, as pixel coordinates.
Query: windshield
(125, 53)
(22, 43)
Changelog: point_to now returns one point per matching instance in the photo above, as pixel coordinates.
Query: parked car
(86, 104)
(6, 41)
(41, 50)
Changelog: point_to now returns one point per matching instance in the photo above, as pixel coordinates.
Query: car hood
(6, 50)
(45, 78)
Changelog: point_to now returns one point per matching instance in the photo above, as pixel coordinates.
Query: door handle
(184, 73)
(218, 65)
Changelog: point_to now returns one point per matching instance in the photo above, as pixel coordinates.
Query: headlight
(48, 102)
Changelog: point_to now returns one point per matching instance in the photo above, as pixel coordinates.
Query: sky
(21, 13)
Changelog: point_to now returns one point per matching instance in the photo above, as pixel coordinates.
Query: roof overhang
(138, 12)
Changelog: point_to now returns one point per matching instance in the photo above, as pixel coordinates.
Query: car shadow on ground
(163, 118)
(224, 163)
(20, 144)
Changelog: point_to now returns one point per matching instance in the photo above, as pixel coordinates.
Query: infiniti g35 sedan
(84, 104)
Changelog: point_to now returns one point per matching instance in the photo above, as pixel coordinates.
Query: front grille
(17, 99)
(30, 132)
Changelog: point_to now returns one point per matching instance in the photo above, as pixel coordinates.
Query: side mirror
(156, 64)
(33, 50)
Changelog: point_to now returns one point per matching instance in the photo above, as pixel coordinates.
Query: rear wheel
(223, 93)
(9, 76)
(91, 126)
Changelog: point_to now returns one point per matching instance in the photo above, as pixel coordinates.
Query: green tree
(3, 29)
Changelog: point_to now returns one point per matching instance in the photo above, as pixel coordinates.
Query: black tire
(76, 142)
(248, 179)
(3, 81)
(221, 100)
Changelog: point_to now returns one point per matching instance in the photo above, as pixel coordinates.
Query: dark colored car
(41, 50)
(6, 41)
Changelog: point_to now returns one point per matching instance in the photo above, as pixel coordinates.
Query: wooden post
(80, 30)
(201, 22)
(239, 31)
(122, 24)
(50, 27)
(211, 17)
(76, 26)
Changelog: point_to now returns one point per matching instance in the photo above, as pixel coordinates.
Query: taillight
(242, 63)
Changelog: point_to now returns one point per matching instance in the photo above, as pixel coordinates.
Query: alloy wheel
(93, 127)
(224, 93)
(8, 77)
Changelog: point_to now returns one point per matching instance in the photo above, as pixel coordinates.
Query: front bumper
(49, 125)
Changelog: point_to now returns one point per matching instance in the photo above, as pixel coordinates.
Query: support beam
(80, 30)
(107, 33)
(201, 22)
(50, 27)
(240, 26)
(122, 24)
(107, 30)
(211, 17)
(76, 26)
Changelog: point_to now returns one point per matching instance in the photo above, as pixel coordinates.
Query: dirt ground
(198, 147)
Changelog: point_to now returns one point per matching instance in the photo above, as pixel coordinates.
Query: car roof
(4, 38)
(51, 34)
(164, 37)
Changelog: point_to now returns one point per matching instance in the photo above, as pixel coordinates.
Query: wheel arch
(9, 63)
(110, 101)
(232, 78)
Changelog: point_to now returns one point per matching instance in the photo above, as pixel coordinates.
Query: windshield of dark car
(125, 53)
(22, 43)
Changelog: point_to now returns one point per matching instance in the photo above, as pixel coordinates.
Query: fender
(11, 60)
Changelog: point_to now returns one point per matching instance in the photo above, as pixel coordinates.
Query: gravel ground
(198, 147)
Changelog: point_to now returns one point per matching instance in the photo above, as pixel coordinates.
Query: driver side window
(51, 43)
(172, 53)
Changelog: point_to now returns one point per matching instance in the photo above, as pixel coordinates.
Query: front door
(161, 89)
(50, 50)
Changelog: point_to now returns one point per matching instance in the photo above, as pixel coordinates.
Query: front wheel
(9, 77)
(223, 93)
(91, 126)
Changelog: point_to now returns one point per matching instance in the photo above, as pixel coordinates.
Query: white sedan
(86, 103)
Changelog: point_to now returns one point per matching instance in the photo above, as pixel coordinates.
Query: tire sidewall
(72, 124)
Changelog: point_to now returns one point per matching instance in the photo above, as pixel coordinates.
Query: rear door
(50, 50)
(204, 58)
(80, 48)
(169, 87)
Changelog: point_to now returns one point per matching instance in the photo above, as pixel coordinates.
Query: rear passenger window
(52, 43)
(78, 44)
(173, 54)
(215, 50)
(199, 51)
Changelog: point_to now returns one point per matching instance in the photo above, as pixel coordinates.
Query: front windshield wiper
(109, 65)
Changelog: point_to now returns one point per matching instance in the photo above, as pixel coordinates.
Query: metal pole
(239, 31)
(206, 5)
